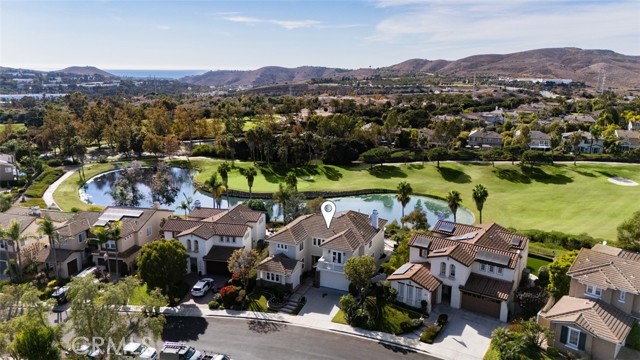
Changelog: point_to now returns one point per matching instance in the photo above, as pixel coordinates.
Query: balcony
(326, 265)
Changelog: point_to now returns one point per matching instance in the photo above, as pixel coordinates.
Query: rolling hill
(622, 71)
(84, 70)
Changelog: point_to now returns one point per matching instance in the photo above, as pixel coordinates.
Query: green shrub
(279, 291)
(43, 181)
(54, 162)
(429, 334)
(214, 305)
(203, 150)
(102, 159)
(241, 296)
(442, 319)
(553, 352)
(410, 325)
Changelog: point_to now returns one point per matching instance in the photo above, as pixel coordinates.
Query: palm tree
(15, 238)
(250, 174)
(480, 195)
(291, 180)
(404, 190)
(216, 187)
(47, 227)
(186, 204)
(223, 170)
(454, 200)
(281, 197)
(102, 237)
(115, 229)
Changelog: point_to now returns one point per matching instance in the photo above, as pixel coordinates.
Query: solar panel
(516, 241)
(422, 242)
(403, 269)
(447, 227)
(466, 236)
(492, 257)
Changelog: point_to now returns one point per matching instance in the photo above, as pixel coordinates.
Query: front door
(446, 294)
(194, 265)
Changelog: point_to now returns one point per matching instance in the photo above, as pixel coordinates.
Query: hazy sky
(209, 35)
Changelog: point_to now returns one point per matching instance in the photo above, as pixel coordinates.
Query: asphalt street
(255, 339)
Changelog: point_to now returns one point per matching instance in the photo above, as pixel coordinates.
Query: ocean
(158, 74)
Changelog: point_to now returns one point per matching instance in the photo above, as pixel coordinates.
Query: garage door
(479, 304)
(72, 267)
(217, 268)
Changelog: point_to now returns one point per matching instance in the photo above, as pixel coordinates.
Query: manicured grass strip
(389, 322)
(257, 302)
(545, 250)
(140, 295)
(42, 182)
(66, 195)
(535, 264)
(339, 318)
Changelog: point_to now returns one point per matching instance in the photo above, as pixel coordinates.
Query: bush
(102, 159)
(241, 296)
(54, 162)
(543, 276)
(564, 240)
(553, 352)
(442, 319)
(214, 305)
(228, 295)
(279, 291)
(410, 325)
(203, 150)
(429, 334)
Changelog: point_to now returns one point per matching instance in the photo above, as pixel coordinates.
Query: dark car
(60, 294)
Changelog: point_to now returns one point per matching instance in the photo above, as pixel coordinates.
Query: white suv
(202, 286)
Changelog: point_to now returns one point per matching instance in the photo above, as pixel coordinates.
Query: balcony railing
(326, 265)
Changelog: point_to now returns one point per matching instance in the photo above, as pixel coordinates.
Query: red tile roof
(279, 263)
(598, 266)
(420, 274)
(489, 287)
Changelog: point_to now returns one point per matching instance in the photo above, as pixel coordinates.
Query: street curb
(386, 342)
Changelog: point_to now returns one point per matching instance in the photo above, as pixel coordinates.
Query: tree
(575, 139)
(376, 155)
(437, 154)
(558, 280)
(163, 187)
(223, 170)
(186, 204)
(313, 205)
(480, 195)
(294, 207)
(629, 233)
(47, 227)
(385, 294)
(258, 205)
(36, 341)
(493, 154)
(531, 300)
(535, 157)
(417, 219)
(216, 187)
(95, 310)
(249, 173)
(453, 201)
(104, 234)
(291, 180)
(281, 197)
(359, 270)
(514, 152)
(162, 264)
(403, 193)
(15, 239)
(242, 264)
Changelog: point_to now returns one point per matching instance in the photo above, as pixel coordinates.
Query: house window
(273, 277)
(301, 246)
(81, 237)
(452, 271)
(337, 257)
(443, 269)
(110, 245)
(221, 238)
(593, 291)
(573, 338)
(424, 253)
(302, 261)
(371, 241)
(8, 170)
(483, 267)
(281, 247)
(418, 297)
(227, 238)
(317, 242)
(492, 269)
(196, 246)
(233, 240)
(188, 245)
(623, 295)
(500, 270)
(409, 292)
(1, 244)
(149, 231)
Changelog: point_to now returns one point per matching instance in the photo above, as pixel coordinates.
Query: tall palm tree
(291, 180)
(14, 237)
(115, 229)
(403, 196)
(454, 200)
(186, 204)
(480, 195)
(101, 237)
(281, 197)
(223, 170)
(47, 227)
(216, 187)
(250, 174)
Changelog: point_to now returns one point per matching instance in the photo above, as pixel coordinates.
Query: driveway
(191, 279)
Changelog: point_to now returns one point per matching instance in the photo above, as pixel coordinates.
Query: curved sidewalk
(48, 194)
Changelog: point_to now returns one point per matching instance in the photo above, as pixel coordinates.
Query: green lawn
(562, 197)
(66, 195)
(15, 127)
(534, 264)
(389, 322)
(546, 250)
(140, 295)
(257, 302)
(339, 318)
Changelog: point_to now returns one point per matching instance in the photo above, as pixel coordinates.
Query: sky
(241, 35)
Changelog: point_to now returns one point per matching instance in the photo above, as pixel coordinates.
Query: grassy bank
(66, 195)
(563, 197)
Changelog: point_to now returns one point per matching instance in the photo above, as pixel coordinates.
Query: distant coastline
(159, 74)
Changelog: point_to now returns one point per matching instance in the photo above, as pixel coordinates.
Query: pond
(97, 191)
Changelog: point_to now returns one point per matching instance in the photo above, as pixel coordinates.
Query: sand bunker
(622, 181)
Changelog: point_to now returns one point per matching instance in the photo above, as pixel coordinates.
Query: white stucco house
(477, 268)
(212, 235)
(324, 251)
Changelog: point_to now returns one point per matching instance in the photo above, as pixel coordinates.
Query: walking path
(48, 194)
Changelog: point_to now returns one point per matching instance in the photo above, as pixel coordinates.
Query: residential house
(472, 267)
(633, 126)
(627, 139)
(603, 304)
(8, 168)
(537, 140)
(321, 250)
(138, 227)
(495, 117)
(483, 138)
(580, 119)
(28, 231)
(588, 145)
(212, 235)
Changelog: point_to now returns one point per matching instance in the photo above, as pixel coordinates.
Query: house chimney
(197, 204)
(374, 219)
(156, 205)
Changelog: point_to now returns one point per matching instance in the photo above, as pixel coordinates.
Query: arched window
(452, 270)
(196, 246)
(443, 269)
(188, 245)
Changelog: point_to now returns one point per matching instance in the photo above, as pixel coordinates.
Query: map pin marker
(328, 208)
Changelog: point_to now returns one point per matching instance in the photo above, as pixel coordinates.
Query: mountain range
(622, 71)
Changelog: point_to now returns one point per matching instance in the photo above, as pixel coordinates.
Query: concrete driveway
(191, 279)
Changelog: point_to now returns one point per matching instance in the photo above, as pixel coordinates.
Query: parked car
(202, 286)
(86, 351)
(60, 294)
(138, 351)
(179, 351)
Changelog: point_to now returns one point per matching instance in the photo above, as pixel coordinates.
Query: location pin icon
(328, 209)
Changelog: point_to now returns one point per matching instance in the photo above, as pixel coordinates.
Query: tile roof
(344, 241)
(202, 213)
(46, 255)
(599, 267)
(489, 287)
(80, 222)
(420, 274)
(238, 214)
(485, 134)
(23, 220)
(220, 253)
(463, 251)
(314, 226)
(601, 320)
(278, 263)
(132, 224)
(206, 230)
(179, 225)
